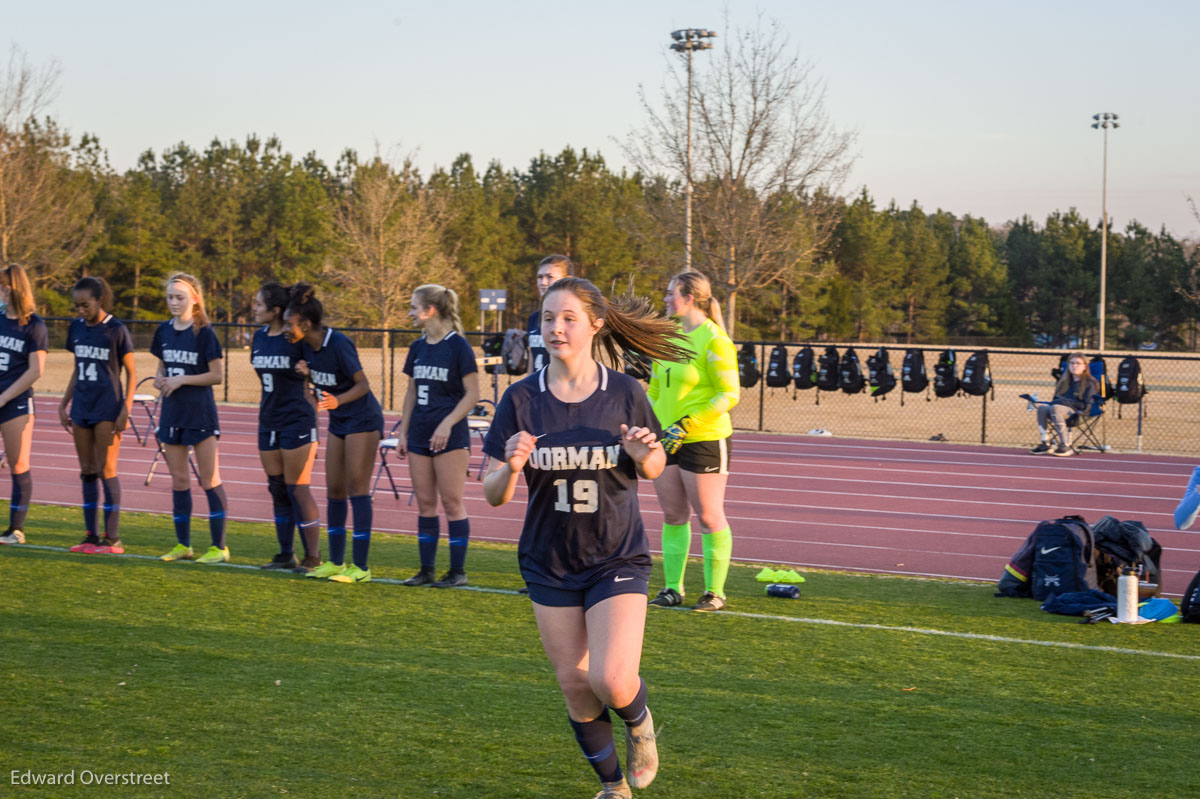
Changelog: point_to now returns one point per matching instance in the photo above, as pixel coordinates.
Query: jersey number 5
(422, 394)
(586, 494)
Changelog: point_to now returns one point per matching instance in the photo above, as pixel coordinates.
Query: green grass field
(242, 683)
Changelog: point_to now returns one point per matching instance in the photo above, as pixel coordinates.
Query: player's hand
(170, 385)
(302, 367)
(673, 437)
(327, 402)
(122, 423)
(64, 418)
(441, 435)
(639, 442)
(160, 382)
(518, 449)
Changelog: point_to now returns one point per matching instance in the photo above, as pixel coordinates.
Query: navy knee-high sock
(363, 519)
(304, 511)
(181, 510)
(112, 508)
(216, 515)
(427, 540)
(22, 490)
(459, 532)
(596, 740)
(633, 713)
(91, 496)
(335, 526)
(285, 522)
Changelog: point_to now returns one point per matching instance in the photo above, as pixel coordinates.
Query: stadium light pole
(1103, 121)
(686, 41)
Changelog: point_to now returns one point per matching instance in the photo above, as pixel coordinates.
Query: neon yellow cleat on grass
(180, 552)
(326, 570)
(214, 555)
(352, 574)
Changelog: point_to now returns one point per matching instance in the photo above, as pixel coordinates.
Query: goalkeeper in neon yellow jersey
(692, 402)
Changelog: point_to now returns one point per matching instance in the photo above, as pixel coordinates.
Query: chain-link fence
(1160, 423)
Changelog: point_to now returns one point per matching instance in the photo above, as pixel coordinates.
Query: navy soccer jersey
(437, 372)
(284, 404)
(539, 356)
(187, 352)
(99, 351)
(18, 342)
(332, 369)
(583, 513)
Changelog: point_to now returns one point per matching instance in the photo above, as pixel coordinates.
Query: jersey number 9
(268, 381)
(586, 494)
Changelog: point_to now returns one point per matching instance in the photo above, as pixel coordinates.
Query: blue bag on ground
(1075, 603)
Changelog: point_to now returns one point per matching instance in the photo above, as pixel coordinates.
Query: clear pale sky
(979, 108)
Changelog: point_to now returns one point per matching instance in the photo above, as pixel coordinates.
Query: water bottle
(1127, 594)
(783, 591)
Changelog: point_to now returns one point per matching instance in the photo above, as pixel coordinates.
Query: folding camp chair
(148, 403)
(478, 424)
(1085, 424)
(387, 445)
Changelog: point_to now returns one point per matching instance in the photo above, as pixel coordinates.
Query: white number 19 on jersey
(586, 494)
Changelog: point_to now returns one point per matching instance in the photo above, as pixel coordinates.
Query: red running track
(910, 508)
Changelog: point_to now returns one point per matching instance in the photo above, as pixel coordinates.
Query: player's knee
(613, 688)
(712, 520)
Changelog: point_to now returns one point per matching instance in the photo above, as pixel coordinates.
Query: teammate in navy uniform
(443, 387)
(550, 269)
(190, 364)
(287, 432)
(99, 407)
(582, 434)
(22, 361)
(355, 427)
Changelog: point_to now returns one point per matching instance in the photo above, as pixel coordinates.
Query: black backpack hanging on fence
(850, 376)
(1130, 386)
(879, 373)
(515, 352)
(945, 375)
(828, 370)
(778, 375)
(491, 346)
(1189, 607)
(804, 370)
(748, 366)
(913, 377)
(977, 375)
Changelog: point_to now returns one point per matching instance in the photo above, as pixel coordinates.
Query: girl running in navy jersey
(287, 432)
(99, 407)
(190, 364)
(443, 386)
(22, 361)
(355, 427)
(549, 269)
(582, 434)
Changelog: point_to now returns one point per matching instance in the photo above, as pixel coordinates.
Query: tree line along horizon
(367, 231)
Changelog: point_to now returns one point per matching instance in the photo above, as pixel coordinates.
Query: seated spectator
(1072, 394)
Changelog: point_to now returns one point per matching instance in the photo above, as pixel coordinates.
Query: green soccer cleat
(214, 555)
(352, 574)
(180, 552)
(641, 752)
(326, 570)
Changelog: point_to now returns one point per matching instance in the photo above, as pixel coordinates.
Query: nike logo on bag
(621, 579)
(1048, 551)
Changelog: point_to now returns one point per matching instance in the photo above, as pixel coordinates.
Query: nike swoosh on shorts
(621, 579)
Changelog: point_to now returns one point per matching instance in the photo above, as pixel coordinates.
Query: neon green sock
(676, 539)
(718, 549)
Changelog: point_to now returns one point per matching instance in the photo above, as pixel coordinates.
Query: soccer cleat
(452, 579)
(326, 570)
(667, 598)
(1063, 452)
(423, 577)
(1040, 449)
(282, 561)
(12, 536)
(352, 574)
(641, 752)
(709, 602)
(307, 565)
(614, 790)
(88, 545)
(109, 547)
(214, 555)
(180, 552)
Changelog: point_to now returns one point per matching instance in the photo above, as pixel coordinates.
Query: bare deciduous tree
(767, 162)
(47, 218)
